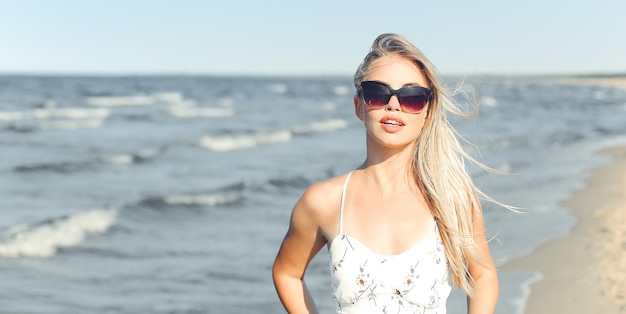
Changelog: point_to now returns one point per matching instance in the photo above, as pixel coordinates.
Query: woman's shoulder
(323, 198)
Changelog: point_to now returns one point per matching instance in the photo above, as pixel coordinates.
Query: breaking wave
(227, 143)
(55, 113)
(180, 111)
(321, 126)
(243, 141)
(45, 238)
(58, 167)
(127, 159)
(135, 100)
(224, 196)
(53, 118)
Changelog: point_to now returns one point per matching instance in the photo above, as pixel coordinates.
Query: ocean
(171, 194)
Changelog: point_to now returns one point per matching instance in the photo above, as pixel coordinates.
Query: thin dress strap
(437, 236)
(343, 199)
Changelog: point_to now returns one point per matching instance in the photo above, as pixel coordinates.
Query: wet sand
(585, 271)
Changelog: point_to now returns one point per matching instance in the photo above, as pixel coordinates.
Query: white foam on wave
(227, 143)
(12, 116)
(70, 124)
(212, 199)
(71, 113)
(173, 97)
(185, 103)
(488, 101)
(55, 113)
(341, 90)
(118, 101)
(137, 100)
(278, 88)
(44, 240)
(122, 159)
(520, 303)
(195, 112)
(320, 126)
(52, 118)
(126, 159)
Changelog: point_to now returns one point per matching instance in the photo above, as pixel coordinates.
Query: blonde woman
(407, 223)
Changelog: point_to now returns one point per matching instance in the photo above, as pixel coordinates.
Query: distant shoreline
(601, 80)
(614, 79)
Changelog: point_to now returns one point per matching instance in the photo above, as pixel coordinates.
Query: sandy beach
(585, 271)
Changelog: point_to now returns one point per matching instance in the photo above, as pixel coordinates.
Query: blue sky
(307, 37)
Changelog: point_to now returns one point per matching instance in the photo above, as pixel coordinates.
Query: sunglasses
(412, 98)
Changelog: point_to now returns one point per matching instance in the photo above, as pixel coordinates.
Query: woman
(406, 221)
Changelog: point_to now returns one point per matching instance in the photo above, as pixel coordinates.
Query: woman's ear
(358, 107)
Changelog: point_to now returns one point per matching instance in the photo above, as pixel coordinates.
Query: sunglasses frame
(400, 93)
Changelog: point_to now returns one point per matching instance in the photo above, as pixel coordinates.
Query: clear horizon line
(279, 74)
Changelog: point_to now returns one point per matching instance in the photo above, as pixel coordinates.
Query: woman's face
(390, 126)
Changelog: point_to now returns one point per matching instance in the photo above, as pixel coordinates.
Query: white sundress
(363, 281)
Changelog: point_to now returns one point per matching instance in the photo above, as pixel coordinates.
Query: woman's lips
(391, 124)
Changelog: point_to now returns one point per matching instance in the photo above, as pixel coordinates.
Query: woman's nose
(393, 104)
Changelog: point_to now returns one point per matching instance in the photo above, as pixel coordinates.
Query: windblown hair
(438, 164)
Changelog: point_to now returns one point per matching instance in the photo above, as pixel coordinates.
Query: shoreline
(614, 81)
(585, 270)
(618, 81)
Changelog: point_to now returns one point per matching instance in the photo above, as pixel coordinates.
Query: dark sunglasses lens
(413, 98)
(376, 95)
(377, 101)
(413, 104)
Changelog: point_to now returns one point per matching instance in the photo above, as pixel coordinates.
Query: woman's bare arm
(483, 271)
(302, 242)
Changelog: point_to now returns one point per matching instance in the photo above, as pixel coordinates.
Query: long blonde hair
(438, 164)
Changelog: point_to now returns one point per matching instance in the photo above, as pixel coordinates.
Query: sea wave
(341, 90)
(58, 167)
(136, 100)
(224, 196)
(225, 102)
(55, 113)
(172, 97)
(76, 166)
(257, 138)
(67, 125)
(52, 118)
(488, 101)
(180, 111)
(320, 126)
(117, 101)
(292, 182)
(228, 143)
(127, 159)
(44, 239)
(278, 88)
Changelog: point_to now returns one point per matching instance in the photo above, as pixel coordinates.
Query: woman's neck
(389, 168)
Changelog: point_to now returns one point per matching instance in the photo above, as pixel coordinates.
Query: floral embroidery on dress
(365, 282)
(337, 265)
(436, 255)
(414, 290)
